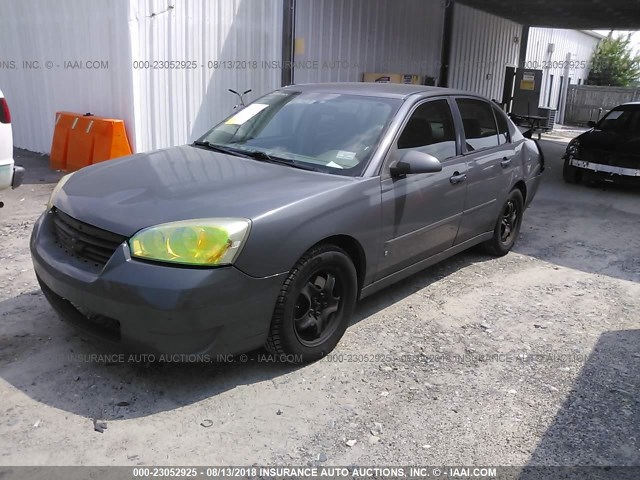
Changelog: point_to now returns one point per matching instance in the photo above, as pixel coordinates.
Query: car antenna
(240, 96)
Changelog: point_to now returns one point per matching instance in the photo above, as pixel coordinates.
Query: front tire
(507, 226)
(571, 174)
(314, 306)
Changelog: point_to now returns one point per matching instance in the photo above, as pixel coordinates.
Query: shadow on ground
(598, 423)
(36, 166)
(91, 378)
(33, 339)
(592, 229)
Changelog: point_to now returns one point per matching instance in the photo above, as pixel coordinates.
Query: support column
(445, 53)
(562, 104)
(524, 42)
(288, 35)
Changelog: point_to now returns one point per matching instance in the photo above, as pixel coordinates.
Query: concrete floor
(530, 359)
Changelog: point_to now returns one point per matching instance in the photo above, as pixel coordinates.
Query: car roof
(388, 90)
(628, 104)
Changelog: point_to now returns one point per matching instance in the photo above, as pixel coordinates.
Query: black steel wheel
(507, 226)
(510, 222)
(314, 306)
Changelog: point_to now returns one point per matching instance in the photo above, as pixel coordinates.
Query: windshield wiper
(255, 154)
(264, 156)
(221, 148)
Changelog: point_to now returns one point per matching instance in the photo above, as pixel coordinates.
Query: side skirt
(422, 264)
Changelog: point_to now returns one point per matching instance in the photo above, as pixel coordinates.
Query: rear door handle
(458, 178)
(506, 162)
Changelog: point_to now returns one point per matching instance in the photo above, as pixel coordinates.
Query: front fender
(279, 238)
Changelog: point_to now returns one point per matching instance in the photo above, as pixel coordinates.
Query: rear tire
(314, 306)
(507, 226)
(571, 174)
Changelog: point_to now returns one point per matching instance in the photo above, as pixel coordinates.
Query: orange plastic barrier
(80, 140)
(58, 157)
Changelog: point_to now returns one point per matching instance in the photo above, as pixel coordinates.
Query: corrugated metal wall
(64, 30)
(349, 38)
(482, 45)
(161, 106)
(176, 106)
(170, 106)
(579, 44)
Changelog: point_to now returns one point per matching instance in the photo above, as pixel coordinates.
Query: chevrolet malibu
(268, 229)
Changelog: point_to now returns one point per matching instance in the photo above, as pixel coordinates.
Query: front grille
(83, 241)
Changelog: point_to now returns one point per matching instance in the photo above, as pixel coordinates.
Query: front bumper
(607, 171)
(155, 309)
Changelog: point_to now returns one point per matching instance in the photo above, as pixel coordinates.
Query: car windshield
(328, 132)
(617, 120)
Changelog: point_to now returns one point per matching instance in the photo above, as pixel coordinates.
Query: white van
(10, 175)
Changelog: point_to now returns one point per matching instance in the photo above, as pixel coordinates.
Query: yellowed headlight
(192, 242)
(57, 189)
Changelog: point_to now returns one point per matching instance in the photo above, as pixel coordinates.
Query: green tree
(614, 64)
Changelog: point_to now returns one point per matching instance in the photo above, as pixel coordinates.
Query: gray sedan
(267, 230)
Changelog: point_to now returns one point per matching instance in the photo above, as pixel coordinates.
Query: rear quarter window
(503, 126)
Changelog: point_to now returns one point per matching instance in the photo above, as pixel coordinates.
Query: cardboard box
(407, 79)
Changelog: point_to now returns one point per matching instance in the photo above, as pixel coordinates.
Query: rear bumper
(6, 173)
(532, 188)
(18, 177)
(155, 309)
(10, 176)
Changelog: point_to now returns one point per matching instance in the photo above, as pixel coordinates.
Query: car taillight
(5, 114)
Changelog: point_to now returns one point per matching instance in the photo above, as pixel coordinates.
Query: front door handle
(458, 177)
(506, 162)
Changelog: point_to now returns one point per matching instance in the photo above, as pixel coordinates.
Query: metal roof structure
(570, 14)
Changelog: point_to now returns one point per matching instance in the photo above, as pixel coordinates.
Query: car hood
(610, 148)
(179, 183)
(599, 139)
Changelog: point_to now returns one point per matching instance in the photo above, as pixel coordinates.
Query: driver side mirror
(591, 124)
(414, 162)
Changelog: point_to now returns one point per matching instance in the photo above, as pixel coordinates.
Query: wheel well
(355, 252)
(520, 185)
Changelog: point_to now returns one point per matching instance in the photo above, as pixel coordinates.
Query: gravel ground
(529, 359)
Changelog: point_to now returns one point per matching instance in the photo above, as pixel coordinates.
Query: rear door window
(479, 124)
